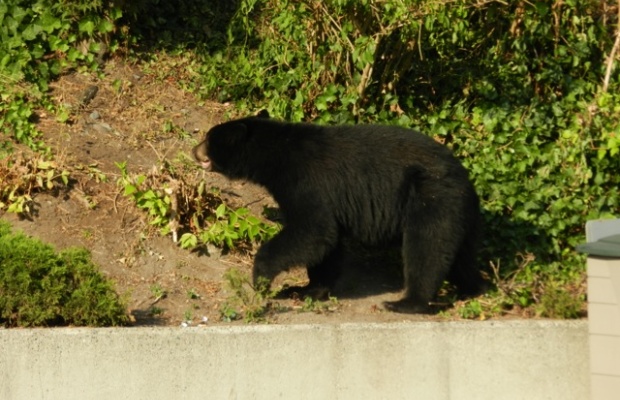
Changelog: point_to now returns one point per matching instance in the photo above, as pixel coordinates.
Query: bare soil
(164, 284)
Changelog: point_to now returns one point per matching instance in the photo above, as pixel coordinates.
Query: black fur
(372, 183)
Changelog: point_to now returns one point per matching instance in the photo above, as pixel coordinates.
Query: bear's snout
(200, 155)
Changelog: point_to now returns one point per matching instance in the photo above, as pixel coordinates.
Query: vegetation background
(526, 93)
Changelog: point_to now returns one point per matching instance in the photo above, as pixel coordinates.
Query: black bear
(371, 183)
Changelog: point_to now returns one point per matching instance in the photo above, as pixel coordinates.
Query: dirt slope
(129, 118)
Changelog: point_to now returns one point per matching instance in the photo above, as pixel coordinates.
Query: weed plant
(177, 203)
(22, 175)
(251, 302)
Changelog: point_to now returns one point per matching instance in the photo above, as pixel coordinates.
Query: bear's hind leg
(431, 236)
(465, 274)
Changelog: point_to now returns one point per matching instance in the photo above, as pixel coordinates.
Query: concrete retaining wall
(427, 360)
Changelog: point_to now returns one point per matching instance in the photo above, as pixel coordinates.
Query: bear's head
(225, 149)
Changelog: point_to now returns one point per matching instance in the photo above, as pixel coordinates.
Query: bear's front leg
(295, 245)
(266, 265)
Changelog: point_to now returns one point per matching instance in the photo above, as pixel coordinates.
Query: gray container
(603, 249)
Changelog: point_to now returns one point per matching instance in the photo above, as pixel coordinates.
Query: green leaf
(188, 241)
(3, 10)
(5, 61)
(49, 22)
(63, 116)
(44, 165)
(18, 14)
(116, 13)
(220, 211)
(31, 32)
(74, 54)
(87, 26)
(233, 218)
(16, 208)
(254, 231)
(130, 189)
(38, 52)
(105, 26)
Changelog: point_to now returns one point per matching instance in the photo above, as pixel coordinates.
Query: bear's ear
(263, 114)
(229, 134)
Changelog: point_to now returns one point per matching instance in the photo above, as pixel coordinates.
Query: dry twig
(612, 55)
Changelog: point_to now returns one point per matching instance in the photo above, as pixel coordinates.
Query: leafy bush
(40, 287)
(38, 39)
(156, 23)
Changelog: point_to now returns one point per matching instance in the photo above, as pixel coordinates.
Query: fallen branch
(612, 54)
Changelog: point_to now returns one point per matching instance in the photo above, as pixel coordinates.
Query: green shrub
(38, 40)
(40, 287)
